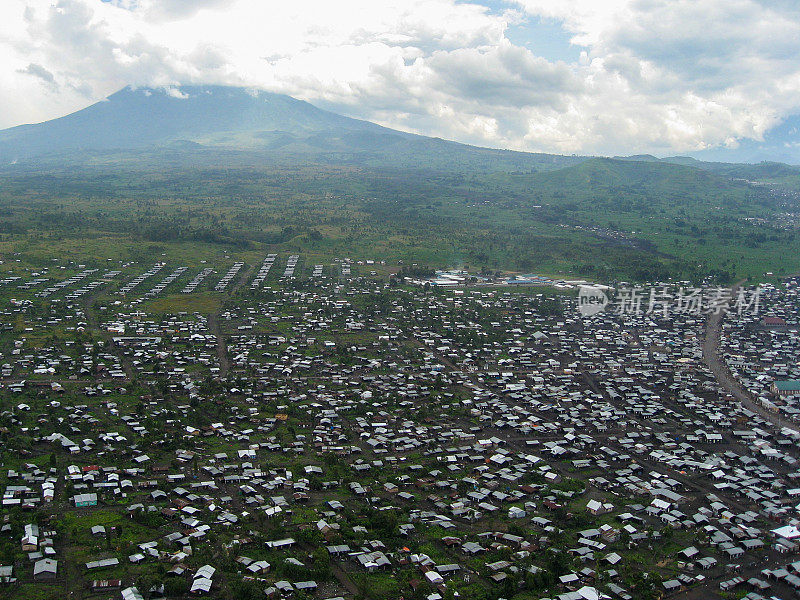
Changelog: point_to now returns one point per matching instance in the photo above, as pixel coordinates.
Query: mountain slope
(228, 118)
(608, 184)
(230, 125)
(133, 119)
(605, 173)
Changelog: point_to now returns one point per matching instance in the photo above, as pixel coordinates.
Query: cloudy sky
(583, 76)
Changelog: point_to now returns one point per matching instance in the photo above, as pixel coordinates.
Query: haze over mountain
(196, 121)
(236, 119)
(138, 118)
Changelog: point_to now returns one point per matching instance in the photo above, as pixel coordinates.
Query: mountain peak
(136, 118)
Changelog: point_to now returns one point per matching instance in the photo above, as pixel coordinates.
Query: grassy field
(602, 219)
(201, 302)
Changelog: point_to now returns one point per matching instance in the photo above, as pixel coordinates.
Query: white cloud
(657, 75)
(681, 74)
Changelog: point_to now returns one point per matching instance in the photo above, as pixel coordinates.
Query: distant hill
(766, 172)
(190, 119)
(208, 126)
(347, 186)
(602, 186)
(609, 172)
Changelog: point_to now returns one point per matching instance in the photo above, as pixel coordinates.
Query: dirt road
(715, 362)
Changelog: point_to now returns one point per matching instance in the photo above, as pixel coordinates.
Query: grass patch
(203, 303)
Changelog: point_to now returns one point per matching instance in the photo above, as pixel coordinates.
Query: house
(30, 540)
(200, 585)
(82, 500)
(131, 593)
(776, 323)
(308, 587)
(7, 574)
(789, 387)
(100, 585)
(595, 507)
(45, 569)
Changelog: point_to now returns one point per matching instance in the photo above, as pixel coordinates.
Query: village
(328, 429)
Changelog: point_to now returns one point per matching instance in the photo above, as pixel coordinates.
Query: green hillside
(230, 170)
(602, 218)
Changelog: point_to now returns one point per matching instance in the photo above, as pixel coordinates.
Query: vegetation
(601, 219)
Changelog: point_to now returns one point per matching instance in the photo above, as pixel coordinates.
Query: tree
(175, 586)
(246, 590)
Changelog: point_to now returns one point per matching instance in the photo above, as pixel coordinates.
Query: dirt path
(712, 358)
(93, 325)
(344, 580)
(222, 350)
(244, 278)
(215, 328)
(337, 571)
